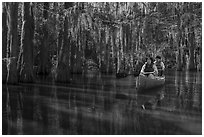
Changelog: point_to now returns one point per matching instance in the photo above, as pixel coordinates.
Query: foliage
(115, 35)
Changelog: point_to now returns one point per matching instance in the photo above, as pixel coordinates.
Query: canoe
(144, 82)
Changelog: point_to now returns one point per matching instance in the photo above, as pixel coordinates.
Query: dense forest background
(57, 39)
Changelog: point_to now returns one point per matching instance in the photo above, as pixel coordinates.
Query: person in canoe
(160, 66)
(149, 69)
(138, 66)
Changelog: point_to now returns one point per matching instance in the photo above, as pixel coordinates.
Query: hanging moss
(63, 36)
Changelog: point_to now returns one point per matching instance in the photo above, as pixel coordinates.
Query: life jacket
(149, 67)
(158, 65)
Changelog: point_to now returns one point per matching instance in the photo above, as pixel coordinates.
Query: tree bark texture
(27, 37)
(4, 42)
(12, 41)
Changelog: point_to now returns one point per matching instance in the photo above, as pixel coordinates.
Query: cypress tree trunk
(4, 43)
(179, 49)
(192, 65)
(63, 68)
(12, 42)
(72, 57)
(200, 63)
(78, 67)
(179, 57)
(27, 36)
(114, 52)
(191, 38)
(78, 53)
(43, 69)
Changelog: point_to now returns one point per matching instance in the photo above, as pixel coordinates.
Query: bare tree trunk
(12, 43)
(4, 43)
(114, 49)
(179, 49)
(191, 39)
(63, 68)
(192, 65)
(78, 66)
(27, 36)
(43, 69)
(200, 63)
(180, 58)
(72, 57)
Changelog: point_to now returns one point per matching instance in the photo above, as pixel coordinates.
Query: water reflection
(101, 104)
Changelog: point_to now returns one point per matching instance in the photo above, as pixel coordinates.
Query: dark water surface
(104, 105)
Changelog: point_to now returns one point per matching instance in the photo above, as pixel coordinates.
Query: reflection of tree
(8, 113)
(187, 79)
(179, 103)
(19, 115)
(198, 92)
(187, 91)
(13, 114)
(37, 106)
(191, 83)
(108, 95)
(170, 90)
(118, 119)
(54, 112)
(79, 122)
(14, 107)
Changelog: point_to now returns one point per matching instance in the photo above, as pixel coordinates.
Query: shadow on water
(101, 104)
